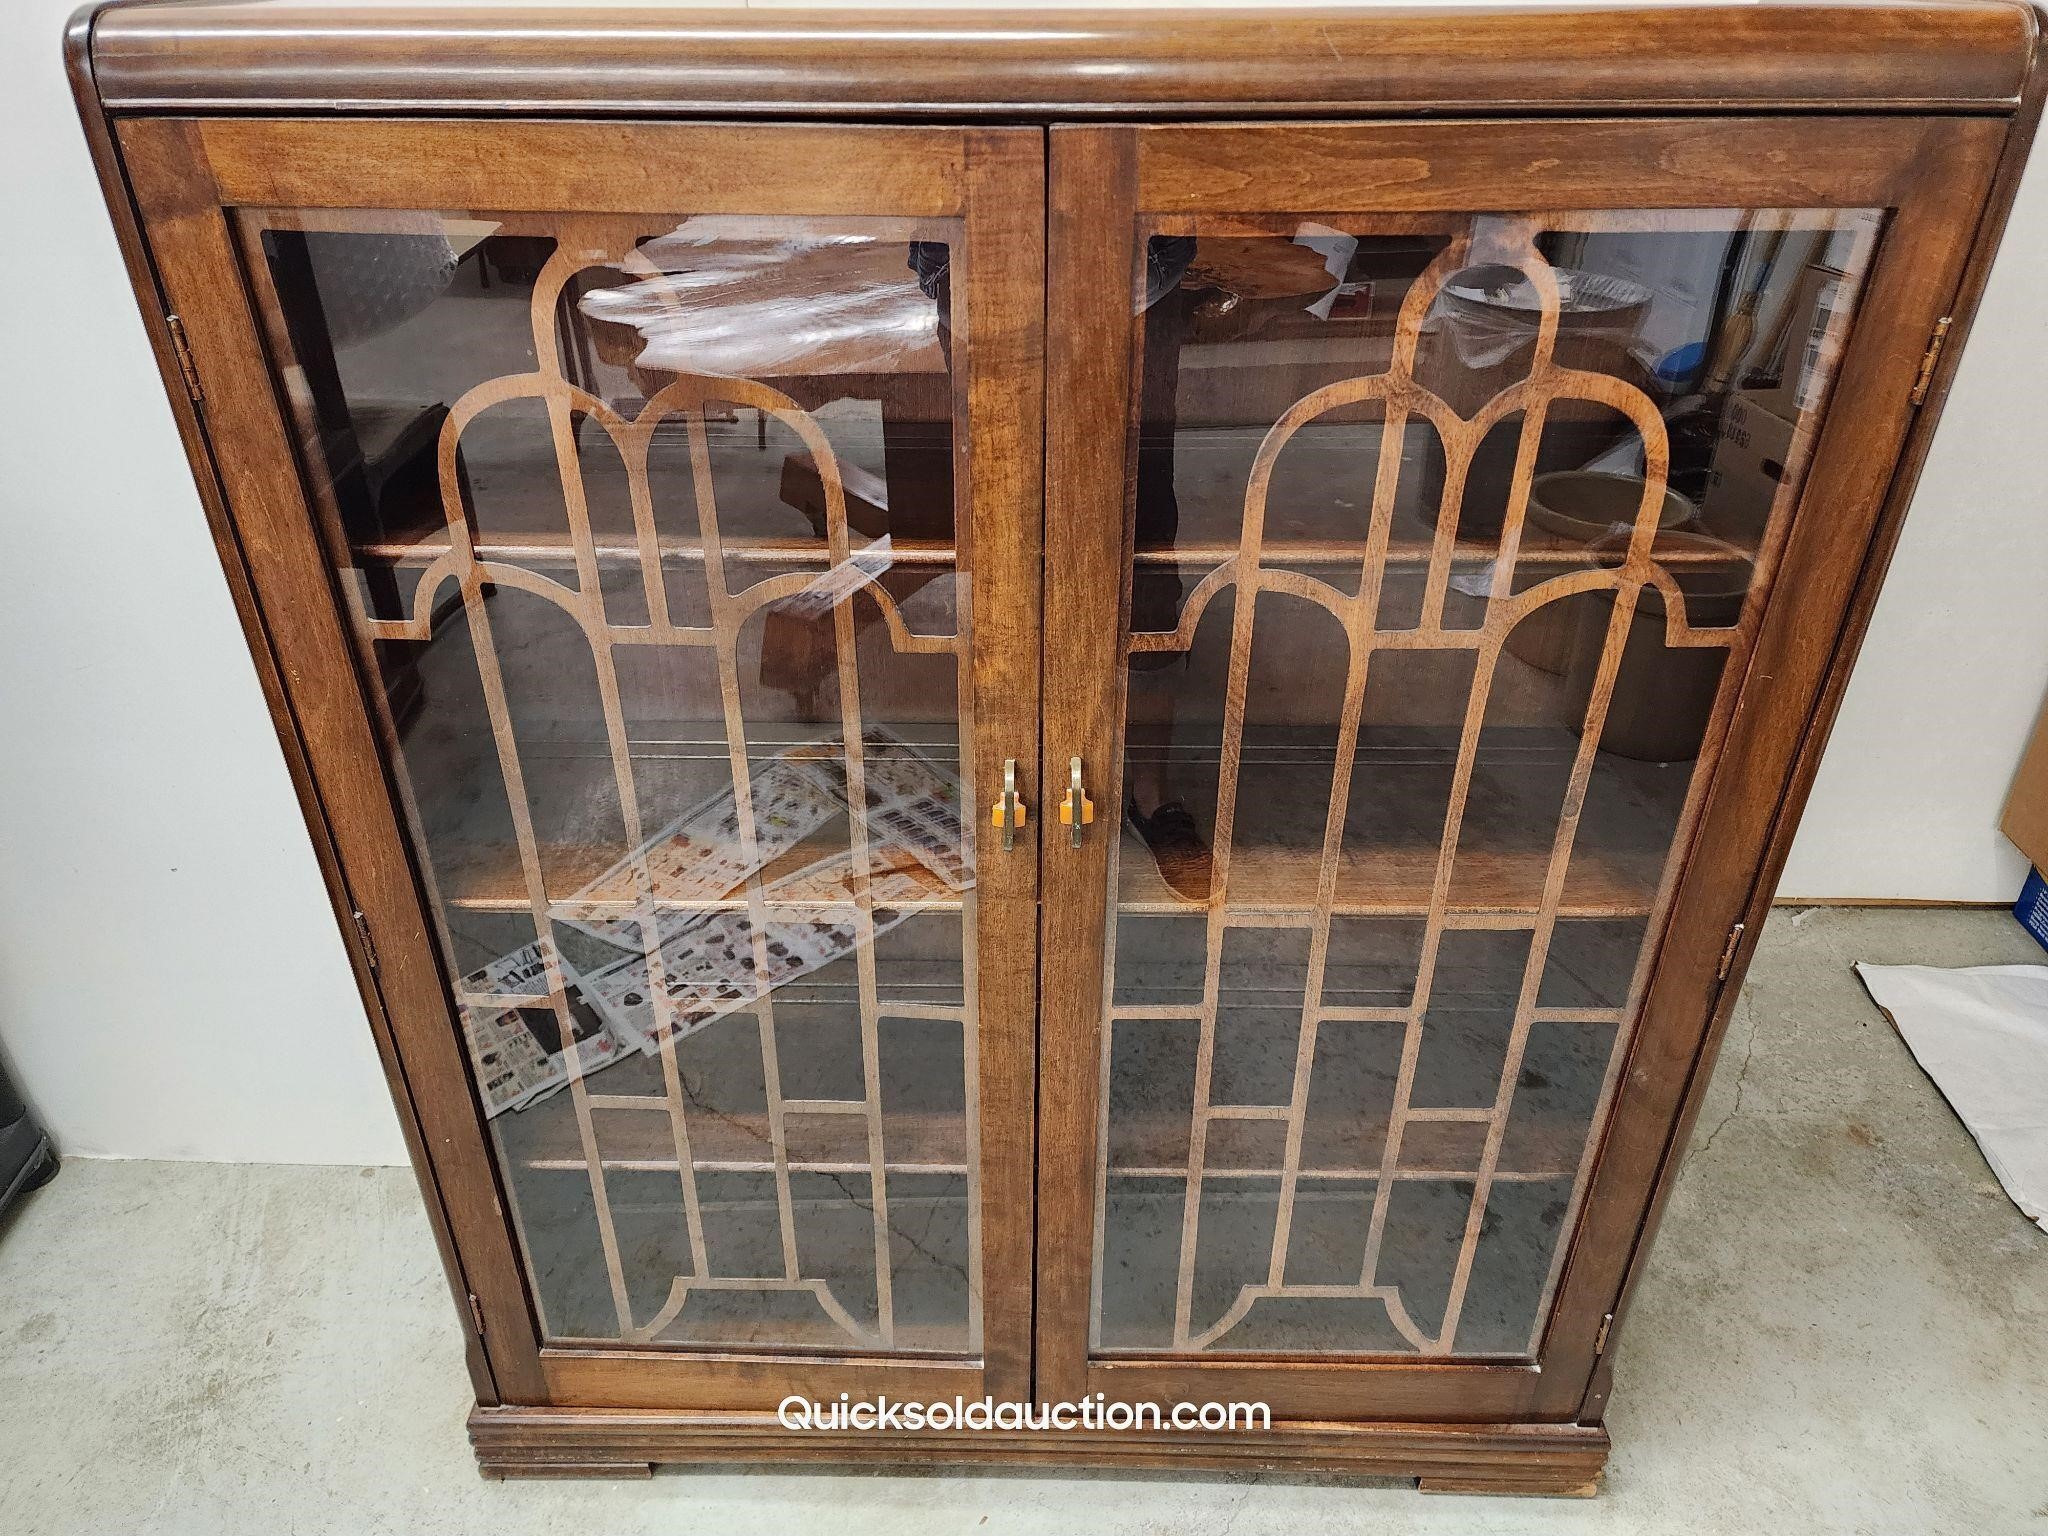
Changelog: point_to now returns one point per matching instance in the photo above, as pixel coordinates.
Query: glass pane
(646, 526)
(1449, 542)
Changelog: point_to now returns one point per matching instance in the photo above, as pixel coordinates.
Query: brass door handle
(1009, 810)
(1077, 810)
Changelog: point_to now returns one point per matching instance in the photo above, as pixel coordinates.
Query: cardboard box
(2026, 807)
(1751, 447)
(2026, 823)
(1811, 344)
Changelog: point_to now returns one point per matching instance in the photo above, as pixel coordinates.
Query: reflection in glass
(1447, 544)
(647, 529)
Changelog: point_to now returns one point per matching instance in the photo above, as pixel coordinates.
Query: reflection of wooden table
(844, 321)
(1259, 267)
(837, 322)
(762, 311)
(1243, 364)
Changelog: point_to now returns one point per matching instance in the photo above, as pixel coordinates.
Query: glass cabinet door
(1442, 540)
(1446, 539)
(647, 528)
(659, 536)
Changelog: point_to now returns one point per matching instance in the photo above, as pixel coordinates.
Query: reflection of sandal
(1178, 847)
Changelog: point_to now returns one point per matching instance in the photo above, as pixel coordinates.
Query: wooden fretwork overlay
(834, 1143)
(1227, 1189)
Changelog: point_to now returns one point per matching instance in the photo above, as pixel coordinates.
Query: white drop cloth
(1981, 1032)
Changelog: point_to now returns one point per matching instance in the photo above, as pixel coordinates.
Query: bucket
(1480, 339)
(1663, 698)
(1581, 506)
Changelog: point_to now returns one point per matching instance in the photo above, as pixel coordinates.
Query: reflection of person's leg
(1155, 676)
(1147, 733)
(1153, 805)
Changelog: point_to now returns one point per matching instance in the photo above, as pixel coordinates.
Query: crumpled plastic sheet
(736, 299)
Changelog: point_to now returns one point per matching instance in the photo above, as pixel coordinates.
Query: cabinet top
(1494, 58)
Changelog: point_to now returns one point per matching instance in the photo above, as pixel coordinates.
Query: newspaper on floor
(516, 1048)
(702, 855)
(717, 962)
(911, 800)
(685, 892)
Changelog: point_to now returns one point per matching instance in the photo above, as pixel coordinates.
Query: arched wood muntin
(1623, 569)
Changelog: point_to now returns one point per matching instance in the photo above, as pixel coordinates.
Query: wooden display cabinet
(1130, 682)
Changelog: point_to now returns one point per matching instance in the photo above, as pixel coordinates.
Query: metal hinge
(476, 1313)
(1599, 1339)
(1925, 380)
(182, 345)
(363, 933)
(1728, 952)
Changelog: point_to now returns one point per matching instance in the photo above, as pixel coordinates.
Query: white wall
(171, 983)
(1954, 669)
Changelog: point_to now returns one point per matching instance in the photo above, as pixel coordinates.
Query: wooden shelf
(1392, 878)
(1397, 881)
(545, 1138)
(494, 882)
(570, 772)
(1538, 548)
(1270, 881)
(1400, 782)
(784, 1335)
(556, 549)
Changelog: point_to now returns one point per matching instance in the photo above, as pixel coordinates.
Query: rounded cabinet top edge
(1148, 61)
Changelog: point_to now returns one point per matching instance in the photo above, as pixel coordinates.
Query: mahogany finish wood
(1920, 108)
(1921, 55)
(234, 564)
(1989, 228)
(1510, 1458)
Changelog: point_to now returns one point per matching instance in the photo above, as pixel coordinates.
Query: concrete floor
(1845, 1328)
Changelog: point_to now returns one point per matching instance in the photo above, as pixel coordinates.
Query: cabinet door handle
(1077, 810)
(1009, 808)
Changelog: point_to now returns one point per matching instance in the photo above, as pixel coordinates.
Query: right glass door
(1442, 543)
(1447, 537)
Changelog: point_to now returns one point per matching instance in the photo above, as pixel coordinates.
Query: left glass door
(672, 541)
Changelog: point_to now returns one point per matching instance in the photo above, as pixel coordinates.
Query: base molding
(1449, 1458)
(1504, 1484)
(590, 1469)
